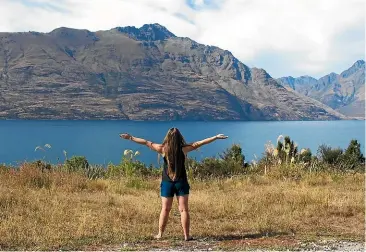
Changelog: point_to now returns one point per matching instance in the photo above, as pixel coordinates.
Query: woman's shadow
(244, 236)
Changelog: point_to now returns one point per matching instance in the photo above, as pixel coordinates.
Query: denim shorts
(170, 188)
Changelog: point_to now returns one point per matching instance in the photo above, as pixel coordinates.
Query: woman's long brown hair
(173, 150)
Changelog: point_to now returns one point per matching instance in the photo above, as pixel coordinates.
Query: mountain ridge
(144, 73)
(344, 92)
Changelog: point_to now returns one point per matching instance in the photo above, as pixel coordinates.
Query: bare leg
(184, 215)
(166, 206)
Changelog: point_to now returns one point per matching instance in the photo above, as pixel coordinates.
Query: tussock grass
(59, 210)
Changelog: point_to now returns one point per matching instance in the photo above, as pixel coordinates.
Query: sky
(284, 37)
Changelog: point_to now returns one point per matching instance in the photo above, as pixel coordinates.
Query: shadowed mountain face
(344, 92)
(138, 74)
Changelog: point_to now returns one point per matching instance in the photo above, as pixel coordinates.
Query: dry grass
(55, 210)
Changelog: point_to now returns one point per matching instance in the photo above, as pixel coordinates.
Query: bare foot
(158, 236)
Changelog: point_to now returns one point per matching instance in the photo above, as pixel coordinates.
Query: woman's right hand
(125, 136)
(221, 136)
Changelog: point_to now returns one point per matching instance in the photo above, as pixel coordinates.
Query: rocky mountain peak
(359, 64)
(260, 73)
(287, 81)
(68, 38)
(328, 79)
(69, 32)
(296, 83)
(307, 77)
(149, 32)
(305, 80)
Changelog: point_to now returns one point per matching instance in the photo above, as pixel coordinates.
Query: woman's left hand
(221, 136)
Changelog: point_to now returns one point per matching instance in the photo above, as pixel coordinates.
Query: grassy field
(59, 210)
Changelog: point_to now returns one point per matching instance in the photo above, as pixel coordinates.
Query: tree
(353, 156)
(235, 153)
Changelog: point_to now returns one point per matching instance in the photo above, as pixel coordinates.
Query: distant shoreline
(124, 120)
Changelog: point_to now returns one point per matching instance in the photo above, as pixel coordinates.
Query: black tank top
(165, 176)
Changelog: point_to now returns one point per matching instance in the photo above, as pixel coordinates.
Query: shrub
(287, 172)
(30, 175)
(43, 166)
(150, 171)
(286, 150)
(136, 183)
(95, 172)
(76, 163)
(4, 168)
(329, 155)
(213, 168)
(127, 168)
(130, 167)
(269, 159)
(305, 156)
(204, 169)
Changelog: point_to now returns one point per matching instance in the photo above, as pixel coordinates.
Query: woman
(174, 177)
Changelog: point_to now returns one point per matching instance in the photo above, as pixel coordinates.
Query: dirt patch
(255, 242)
(333, 245)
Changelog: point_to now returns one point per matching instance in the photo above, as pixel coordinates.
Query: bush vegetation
(282, 157)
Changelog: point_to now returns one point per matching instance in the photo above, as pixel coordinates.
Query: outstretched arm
(154, 146)
(195, 145)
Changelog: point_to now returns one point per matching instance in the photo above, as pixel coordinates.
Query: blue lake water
(100, 143)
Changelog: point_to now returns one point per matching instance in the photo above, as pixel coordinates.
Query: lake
(100, 143)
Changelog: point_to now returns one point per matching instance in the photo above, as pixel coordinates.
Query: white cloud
(199, 2)
(285, 37)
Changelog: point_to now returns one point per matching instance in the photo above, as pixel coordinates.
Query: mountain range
(344, 92)
(144, 73)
